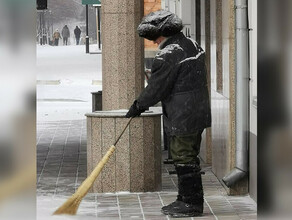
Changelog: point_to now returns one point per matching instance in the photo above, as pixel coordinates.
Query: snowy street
(66, 76)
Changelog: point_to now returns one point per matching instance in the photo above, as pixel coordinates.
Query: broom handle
(123, 131)
(88, 182)
(94, 174)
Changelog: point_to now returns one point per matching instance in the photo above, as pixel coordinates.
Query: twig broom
(71, 205)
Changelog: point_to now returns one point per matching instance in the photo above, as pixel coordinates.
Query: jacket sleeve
(159, 85)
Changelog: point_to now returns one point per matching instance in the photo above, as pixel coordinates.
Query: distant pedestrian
(65, 34)
(77, 33)
(56, 37)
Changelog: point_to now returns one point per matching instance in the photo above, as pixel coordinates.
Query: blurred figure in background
(65, 34)
(77, 33)
(56, 37)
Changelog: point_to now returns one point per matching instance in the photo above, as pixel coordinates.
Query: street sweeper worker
(179, 81)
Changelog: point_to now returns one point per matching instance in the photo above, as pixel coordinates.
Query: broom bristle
(70, 207)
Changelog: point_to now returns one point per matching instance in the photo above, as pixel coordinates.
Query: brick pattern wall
(149, 6)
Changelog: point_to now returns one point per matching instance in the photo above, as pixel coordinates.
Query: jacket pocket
(181, 112)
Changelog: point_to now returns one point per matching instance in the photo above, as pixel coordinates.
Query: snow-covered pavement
(66, 76)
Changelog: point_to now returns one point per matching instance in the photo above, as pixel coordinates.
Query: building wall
(223, 86)
(149, 6)
(253, 99)
(223, 100)
(220, 102)
(206, 146)
(186, 11)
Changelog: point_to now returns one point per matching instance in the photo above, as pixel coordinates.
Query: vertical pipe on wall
(98, 27)
(87, 37)
(242, 93)
(96, 20)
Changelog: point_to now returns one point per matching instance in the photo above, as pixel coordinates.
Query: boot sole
(165, 212)
(181, 215)
(191, 214)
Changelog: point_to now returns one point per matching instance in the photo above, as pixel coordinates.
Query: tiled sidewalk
(61, 168)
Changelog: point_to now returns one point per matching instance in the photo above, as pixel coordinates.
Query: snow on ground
(49, 205)
(67, 62)
(66, 76)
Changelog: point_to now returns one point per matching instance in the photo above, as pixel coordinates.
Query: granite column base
(135, 165)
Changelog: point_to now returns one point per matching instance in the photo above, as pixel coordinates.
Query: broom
(71, 205)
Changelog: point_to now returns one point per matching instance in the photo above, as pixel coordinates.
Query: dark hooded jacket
(179, 81)
(77, 32)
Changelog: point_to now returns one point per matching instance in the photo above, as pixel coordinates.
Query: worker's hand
(134, 111)
(147, 74)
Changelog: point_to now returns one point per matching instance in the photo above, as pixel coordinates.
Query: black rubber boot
(190, 201)
(166, 209)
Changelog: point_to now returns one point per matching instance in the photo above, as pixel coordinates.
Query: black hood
(159, 23)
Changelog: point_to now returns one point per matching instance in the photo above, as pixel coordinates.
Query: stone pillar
(135, 165)
(122, 53)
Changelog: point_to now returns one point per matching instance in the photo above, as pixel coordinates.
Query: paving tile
(62, 167)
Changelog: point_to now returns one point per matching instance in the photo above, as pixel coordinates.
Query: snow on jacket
(179, 81)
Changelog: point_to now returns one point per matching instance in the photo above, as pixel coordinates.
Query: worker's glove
(134, 111)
